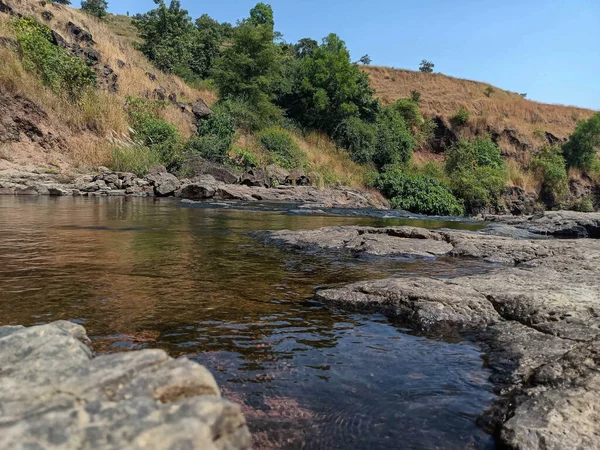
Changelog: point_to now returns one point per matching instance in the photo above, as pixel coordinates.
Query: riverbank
(534, 313)
(55, 394)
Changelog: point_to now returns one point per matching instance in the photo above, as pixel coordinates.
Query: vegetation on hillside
(299, 105)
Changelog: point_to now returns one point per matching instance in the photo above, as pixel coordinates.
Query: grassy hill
(520, 124)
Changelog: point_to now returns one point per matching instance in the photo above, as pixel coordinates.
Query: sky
(549, 49)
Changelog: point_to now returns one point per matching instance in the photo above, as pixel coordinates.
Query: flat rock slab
(555, 223)
(55, 395)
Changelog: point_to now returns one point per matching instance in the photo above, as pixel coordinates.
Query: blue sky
(549, 49)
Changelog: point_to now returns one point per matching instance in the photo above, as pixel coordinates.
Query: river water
(144, 273)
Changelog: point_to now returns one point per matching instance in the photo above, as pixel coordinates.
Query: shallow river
(140, 273)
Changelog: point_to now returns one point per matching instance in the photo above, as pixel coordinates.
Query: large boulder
(79, 34)
(255, 178)
(298, 177)
(201, 109)
(55, 395)
(519, 202)
(164, 183)
(201, 188)
(199, 166)
(276, 174)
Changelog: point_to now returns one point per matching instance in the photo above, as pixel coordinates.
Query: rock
(519, 202)
(255, 177)
(160, 93)
(297, 177)
(122, 64)
(54, 394)
(428, 304)
(7, 191)
(107, 79)
(134, 190)
(87, 54)
(47, 16)
(79, 34)
(392, 241)
(199, 190)
(103, 169)
(200, 166)
(58, 192)
(555, 223)
(4, 8)
(58, 40)
(164, 183)
(173, 98)
(277, 175)
(29, 190)
(151, 76)
(201, 110)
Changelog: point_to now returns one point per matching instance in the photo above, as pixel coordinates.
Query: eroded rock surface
(55, 395)
(535, 314)
(555, 223)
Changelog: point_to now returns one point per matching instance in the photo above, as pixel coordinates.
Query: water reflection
(141, 273)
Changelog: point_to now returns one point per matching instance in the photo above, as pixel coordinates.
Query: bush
(243, 159)
(395, 143)
(476, 171)
(426, 66)
(550, 165)
(57, 69)
(415, 96)
(282, 148)
(418, 194)
(409, 110)
(583, 205)
(96, 8)
(359, 138)
(247, 116)
(489, 91)
(215, 137)
(155, 133)
(136, 159)
(580, 150)
(461, 118)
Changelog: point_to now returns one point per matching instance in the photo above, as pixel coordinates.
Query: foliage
(282, 148)
(551, 166)
(461, 117)
(154, 132)
(215, 136)
(584, 204)
(327, 88)
(249, 117)
(395, 143)
(251, 67)
(489, 91)
(584, 144)
(137, 159)
(243, 158)
(359, 138)
(57, 69)
(97, 8)
(415, 96)
(476, 171)
(62, 2)
(365, 60)
(426, 66)
(409, 110)
(418, 193)
(175, 44)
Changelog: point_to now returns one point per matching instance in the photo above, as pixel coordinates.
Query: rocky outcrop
(535, 316)
(55, 394)
(164, 183)
(554, 223)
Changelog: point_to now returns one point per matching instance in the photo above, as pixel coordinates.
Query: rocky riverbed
(55, 394)
(535, 313)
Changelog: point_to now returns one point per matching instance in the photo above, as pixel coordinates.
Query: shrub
(476, 171)
(415, 96)
(135, 158)
(242, 158)
(282, 148)
(551, 166)
(489, 91)
(461, 118)
(584, 204)
(409, 111)
(395, 143)
(153, 132)
(359, 138)
(96, 8)
(426, 66)
(580, 150)
(418, 194)
(220, 126)
(57, 69)
(248, 117)
(209, 147)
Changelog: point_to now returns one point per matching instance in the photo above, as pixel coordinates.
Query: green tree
(395, 142)
(97, 8)
(426, 66)
(327, 88)
(62, 2)
(584, 144)
(365, 60)
(251, 67)
(305, 47)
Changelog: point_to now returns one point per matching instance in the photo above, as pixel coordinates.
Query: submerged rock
(54, 394)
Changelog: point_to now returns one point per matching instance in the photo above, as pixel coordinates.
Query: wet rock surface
(534, 312)
(554, 223)
(55, 394)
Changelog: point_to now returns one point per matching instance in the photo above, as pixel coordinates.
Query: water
(141, 273)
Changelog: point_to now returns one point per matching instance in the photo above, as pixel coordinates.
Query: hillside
(519, 125)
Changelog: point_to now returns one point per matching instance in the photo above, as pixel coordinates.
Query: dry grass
(443, 96)
(522, 177)
(88, 125)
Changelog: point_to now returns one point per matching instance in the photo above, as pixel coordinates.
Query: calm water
(141, 273)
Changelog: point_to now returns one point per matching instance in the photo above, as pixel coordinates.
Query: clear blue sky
(549, 49)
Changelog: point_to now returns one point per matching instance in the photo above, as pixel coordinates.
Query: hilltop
(520, 126)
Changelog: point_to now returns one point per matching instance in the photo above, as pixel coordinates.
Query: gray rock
(58, 192)
(255, 178)
(29, 190)
(164, 183)
(298, 177)
(200, 166)
(54, 394)
(7, 191)
(276, 174)
(201, 110)
(555, 223)
(203, 188)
